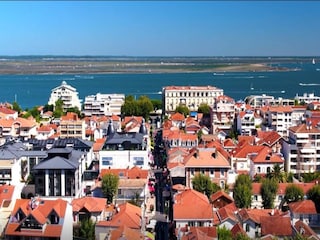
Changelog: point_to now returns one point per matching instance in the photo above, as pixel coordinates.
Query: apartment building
(103, 104)
(71, 126)
(189, 96)
(223, 113)
(67, 94)
(302, 150)
(278, 119)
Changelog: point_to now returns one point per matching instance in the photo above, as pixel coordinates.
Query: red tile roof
(187, 200)
(276, 225)
(91, 204)
(303, 207)
(177, 117)
(128, 215)
(41, 211)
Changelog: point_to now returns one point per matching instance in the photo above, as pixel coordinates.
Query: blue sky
(160, 28)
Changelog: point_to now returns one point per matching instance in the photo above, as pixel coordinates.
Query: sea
(34, 90)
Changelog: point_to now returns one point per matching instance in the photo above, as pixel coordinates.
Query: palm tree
(277, 173)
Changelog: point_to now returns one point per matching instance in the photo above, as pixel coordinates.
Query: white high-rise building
(103, 104)
(67, 94)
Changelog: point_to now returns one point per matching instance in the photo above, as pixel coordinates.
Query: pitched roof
(187, 200)
(128, 215)
(303, 128)
(124, 232)
(6, 192)
(276, 225)
(220, 194)
(208, 158)
(303, 207)
(305, 231)
(91, 204)
(203, 233)
(39, 209)
(177, 117)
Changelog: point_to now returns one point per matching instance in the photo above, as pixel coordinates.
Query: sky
(160, 28)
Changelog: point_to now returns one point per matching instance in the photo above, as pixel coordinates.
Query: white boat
(313, 61)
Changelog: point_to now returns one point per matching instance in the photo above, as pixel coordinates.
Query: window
(107, 161)
(247, 227)
(222, 172)
(138, 161)
(255, 197)
(192, 171)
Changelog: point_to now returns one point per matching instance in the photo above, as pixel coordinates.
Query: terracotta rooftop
(303, 207)
(276, 225)
(187, 200)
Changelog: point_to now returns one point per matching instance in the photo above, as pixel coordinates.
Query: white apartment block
(189, 96)
(67, 94)
(223, 113)
(247, 121)
(279, 119)
(307, 98)
(302, 150)
(103, 104)
(258, 100)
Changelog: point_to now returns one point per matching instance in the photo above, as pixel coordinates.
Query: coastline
(124, 67)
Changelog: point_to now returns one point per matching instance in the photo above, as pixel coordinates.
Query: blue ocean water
(33, 90)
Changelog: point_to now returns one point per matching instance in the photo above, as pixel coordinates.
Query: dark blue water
(33, 90)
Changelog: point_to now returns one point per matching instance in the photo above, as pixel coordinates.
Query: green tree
(268, 190)
(242, 191)
(157, 104)
(48, 107)
(293, 193)
(183, 110)
(277, 173)
(58, 109)
(136, 200)
(110, 186)
(242, 236)
(224, 233)
(130, 106)
(202, 183)
(204, 108)
(87, 229)
(314, 195)
(75, 110)
(145, 107)
(16, 107)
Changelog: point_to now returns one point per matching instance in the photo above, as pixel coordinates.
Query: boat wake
(309, 84)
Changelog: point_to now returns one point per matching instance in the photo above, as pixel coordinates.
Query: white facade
(67, 94)
(302, 151)
(223, 113)
(103, 104)
(307, 98)
(279, 119)
(124, 159)
(189, 96)
(258, 100)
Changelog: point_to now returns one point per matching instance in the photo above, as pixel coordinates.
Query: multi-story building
(189, 96)
(71, 126)
(223, 113)
(279, 119)
(302, 150)
(125, 149)
(247, 122)
(67, 94)
(307, 98)
(103, 104)
(258, 100)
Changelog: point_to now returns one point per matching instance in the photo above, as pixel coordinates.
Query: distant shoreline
(128, 66)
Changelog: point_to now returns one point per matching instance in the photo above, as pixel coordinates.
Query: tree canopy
(268, 192)
(141, 107)
(110, 186)
(314, 195)
(293, 193)
(242, 191)
(183, 110)
(202, 183)
(204, 108)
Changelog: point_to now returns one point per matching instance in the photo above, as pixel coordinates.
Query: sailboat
(313, 61)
